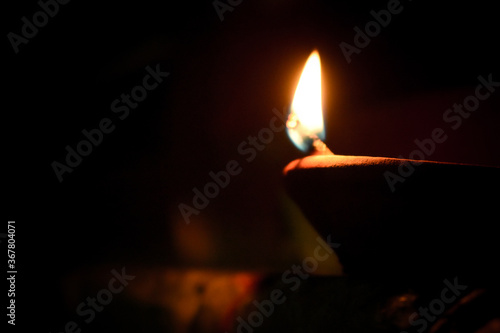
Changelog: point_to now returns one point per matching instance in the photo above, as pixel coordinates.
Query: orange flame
(305, 122)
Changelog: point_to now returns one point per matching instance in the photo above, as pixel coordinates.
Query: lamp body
(402, 218)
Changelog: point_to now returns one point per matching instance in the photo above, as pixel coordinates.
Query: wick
(319, 147)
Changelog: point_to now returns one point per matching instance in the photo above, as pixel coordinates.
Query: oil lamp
(439, 220)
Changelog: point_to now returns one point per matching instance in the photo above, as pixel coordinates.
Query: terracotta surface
(440, 219)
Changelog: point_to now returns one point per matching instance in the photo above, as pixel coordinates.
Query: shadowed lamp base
(437, 219)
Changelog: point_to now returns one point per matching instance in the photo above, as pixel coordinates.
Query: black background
(119, 206)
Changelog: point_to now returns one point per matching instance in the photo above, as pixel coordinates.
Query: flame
(305, 122)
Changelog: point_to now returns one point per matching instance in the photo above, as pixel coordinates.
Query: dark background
(119, 206)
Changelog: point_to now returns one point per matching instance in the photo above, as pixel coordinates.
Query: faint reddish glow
(206, 298)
